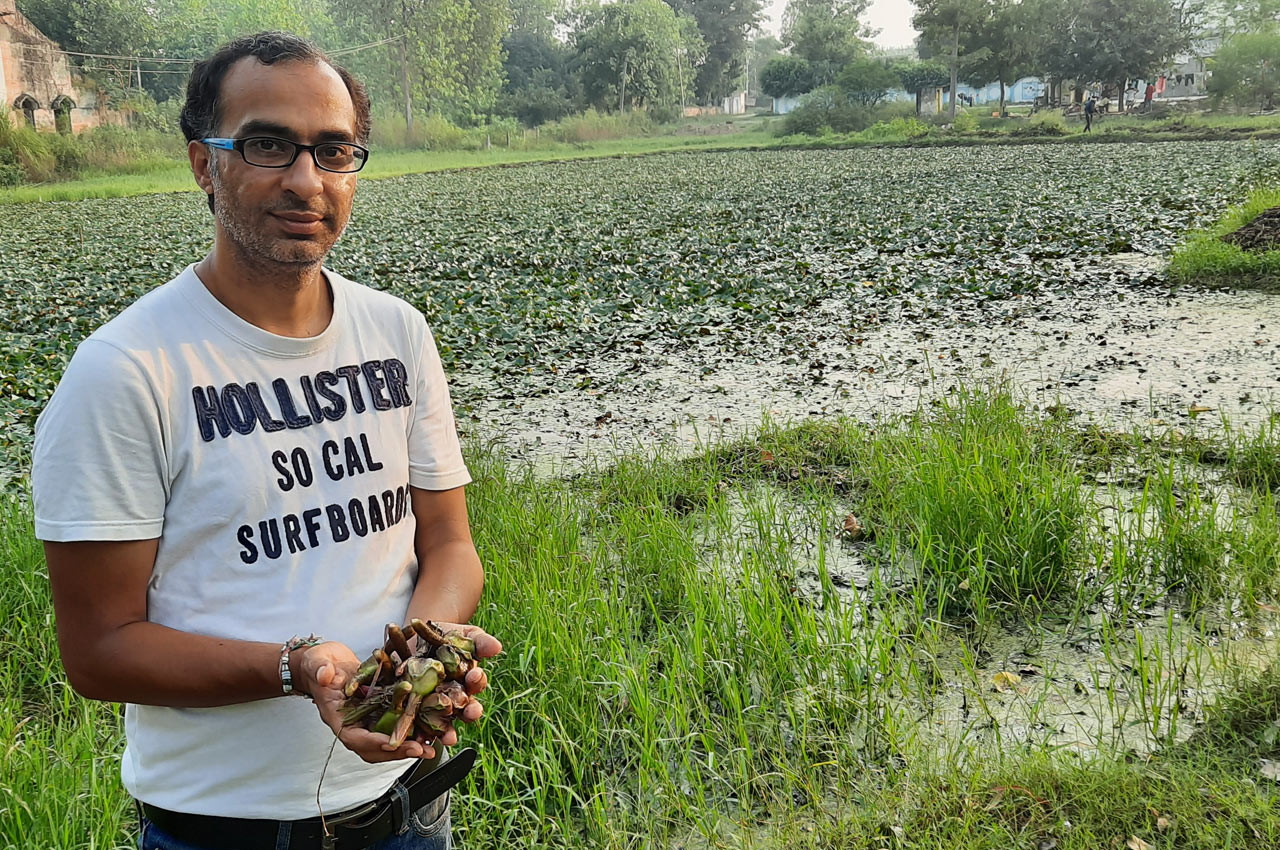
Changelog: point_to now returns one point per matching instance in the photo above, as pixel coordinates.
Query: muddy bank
(1261, 234)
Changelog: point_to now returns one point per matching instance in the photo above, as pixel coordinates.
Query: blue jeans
(427, 829)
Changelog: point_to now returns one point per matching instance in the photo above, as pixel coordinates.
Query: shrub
(68, 153)
(593, 126)
(28, 148)
(1049, 123)
(11, 173)
(897, 130)
(965, 124)
(437, 133)
(535, 105)
(665, 114)
(829, 109)
(114, 148)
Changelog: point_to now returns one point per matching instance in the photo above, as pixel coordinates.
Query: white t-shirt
(275, 472)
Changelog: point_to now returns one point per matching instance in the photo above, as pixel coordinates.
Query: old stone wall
(36, 81)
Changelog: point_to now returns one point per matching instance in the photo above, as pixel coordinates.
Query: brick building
(37, 83)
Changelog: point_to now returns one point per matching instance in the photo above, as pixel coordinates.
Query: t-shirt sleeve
(99, 469)
(435, 456)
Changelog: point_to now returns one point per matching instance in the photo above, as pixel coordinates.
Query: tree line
(1098, 43)
(467, 60)
(539, 60)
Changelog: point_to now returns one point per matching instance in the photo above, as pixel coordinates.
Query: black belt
(354, 828)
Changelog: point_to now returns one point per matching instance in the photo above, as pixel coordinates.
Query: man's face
(288, 215)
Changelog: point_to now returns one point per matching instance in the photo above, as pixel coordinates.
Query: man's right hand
(322, 671)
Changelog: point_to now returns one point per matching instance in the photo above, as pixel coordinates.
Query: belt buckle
(348, 817)
(330, 826)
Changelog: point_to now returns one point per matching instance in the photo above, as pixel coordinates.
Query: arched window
(27, 105)
(62, 106)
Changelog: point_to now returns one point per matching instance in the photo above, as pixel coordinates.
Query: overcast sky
(891, 17)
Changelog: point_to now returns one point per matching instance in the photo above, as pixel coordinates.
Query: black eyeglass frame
(298, 147)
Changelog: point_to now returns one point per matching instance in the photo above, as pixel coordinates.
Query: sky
(891, 17)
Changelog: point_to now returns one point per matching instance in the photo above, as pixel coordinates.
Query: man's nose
(304, 178)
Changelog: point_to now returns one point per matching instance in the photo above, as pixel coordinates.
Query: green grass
(688, 664)
(1205, 259)
(158, 175)
(994, 512)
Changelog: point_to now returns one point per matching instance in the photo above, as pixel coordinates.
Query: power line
(47, 49)
(169, 60)
(345, 50)
(130, 71)
(129, 58)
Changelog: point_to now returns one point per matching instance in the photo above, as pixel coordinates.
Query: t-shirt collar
(250, 335)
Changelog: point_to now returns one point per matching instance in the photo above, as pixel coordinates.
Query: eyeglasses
(268, 152)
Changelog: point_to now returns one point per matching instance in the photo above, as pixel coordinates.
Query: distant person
(1146, 100)
(1090, 107)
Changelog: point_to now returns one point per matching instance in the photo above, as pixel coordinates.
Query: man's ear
(199, 154)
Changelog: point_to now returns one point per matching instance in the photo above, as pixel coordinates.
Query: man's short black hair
(199, 118)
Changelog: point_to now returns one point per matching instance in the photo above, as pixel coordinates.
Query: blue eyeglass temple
(230, 144)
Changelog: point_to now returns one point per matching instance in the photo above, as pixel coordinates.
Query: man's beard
(250, 236)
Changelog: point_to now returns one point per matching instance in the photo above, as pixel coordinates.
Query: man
(1090, 106)
(259, 448)
(1148, 94)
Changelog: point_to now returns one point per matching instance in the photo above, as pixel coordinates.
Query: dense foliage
(628, 53)
(1245, 69)
(724, 26)
(825, 33)
(786, 76)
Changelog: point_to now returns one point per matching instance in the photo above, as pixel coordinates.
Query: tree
(1246, 69)
(944, 22)
(918, 76)
(1110, 41)
(764, 50)
(118, 27)
(629, 51)
(190, 28)
(998, 46)
(867, 81)
(786, 76)
(724, 26)
(537, 17)
(826, 33)
(165, 29)
(446, 55)
(1232, 17)
(539, 86)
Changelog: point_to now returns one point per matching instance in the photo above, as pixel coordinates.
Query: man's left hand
(476, 681)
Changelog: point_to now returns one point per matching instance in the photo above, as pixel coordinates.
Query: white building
(786, 103)
(736, 103)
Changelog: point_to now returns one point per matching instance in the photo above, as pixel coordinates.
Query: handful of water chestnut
(411, 693)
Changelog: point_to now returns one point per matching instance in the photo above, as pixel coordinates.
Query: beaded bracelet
(286, 677)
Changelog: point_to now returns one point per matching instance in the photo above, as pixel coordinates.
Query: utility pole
(622, 93)
(955, 66)
(680, 81)
(404, 72)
